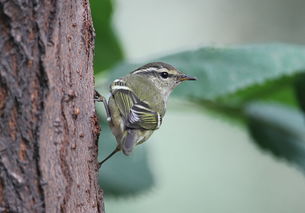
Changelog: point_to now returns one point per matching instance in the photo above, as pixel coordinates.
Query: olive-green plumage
(137, 103)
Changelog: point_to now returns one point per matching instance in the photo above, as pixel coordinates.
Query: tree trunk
(48, 125)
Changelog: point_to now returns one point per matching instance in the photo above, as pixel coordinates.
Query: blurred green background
(234, 141)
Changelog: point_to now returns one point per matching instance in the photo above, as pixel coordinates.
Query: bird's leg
(109, 156)
(99, 98)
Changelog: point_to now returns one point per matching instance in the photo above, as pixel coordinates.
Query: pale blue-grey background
(203, 163)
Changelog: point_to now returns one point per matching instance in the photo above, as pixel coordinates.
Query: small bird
(137, 103)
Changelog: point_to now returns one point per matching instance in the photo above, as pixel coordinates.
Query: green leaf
(278, 129)
(122, 175)
(108, 50)
(279, 90)
(224, 71)
(300, 90)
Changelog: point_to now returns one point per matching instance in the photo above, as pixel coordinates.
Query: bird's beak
(186, 78)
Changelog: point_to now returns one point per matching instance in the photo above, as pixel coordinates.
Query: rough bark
(48, 125)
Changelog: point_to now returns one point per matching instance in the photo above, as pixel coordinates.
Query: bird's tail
(129, 142)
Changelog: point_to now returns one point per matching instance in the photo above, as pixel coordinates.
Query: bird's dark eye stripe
(160, 73)
(155, 73)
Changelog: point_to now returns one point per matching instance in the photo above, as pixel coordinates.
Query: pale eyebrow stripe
(145, 70)
(118, 87)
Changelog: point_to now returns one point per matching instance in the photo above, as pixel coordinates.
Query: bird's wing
(137, 114)
(143, 117)
(124, 97)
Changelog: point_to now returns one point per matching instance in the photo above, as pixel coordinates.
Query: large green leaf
(223, 71)
(278, 129)
(107, 47)
(122, 175)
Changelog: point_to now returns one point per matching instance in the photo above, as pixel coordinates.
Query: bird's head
(164, 76)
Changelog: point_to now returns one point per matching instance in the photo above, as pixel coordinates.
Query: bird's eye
(164, 74)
